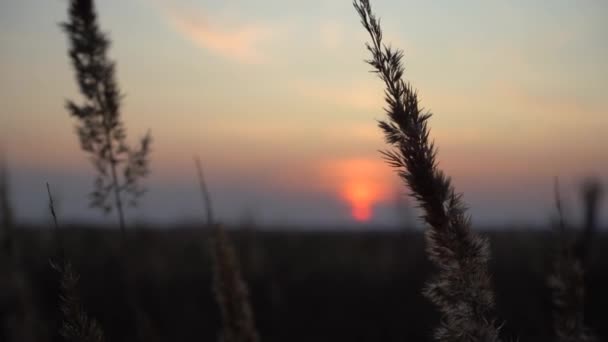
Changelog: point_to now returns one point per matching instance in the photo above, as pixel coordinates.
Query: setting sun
(361, 196)
(361, 183)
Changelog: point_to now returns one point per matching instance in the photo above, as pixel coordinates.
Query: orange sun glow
(361, 196)
(362, 183)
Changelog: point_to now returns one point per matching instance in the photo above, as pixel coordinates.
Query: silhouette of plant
(231, 292)
(591, 193)
(76, 326)
(204, 191)
(229, 288)
(18, 312)
(101, 131)
(567, 284)
(6, 212)
(462, 291)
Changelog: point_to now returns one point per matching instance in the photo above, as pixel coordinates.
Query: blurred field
(305, 286)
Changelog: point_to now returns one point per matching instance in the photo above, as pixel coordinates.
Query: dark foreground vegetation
(304, 286)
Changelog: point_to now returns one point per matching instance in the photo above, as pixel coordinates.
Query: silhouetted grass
(591, 194)
(462, 291)
(76, 324)
(567, 283)
(229, 288)
(231, 292)
(6, 211)
(101, 131)
(321, 286)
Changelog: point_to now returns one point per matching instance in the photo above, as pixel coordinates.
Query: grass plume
(231, 292)
(462, 291)
(100, 129)
(77, 326)
(6, 211)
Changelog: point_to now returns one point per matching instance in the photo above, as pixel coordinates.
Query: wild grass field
(321, 286)
(448, 281)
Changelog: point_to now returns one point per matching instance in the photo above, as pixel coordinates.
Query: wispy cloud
(240, 41)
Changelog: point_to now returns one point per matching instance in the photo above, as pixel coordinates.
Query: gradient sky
(276, 100)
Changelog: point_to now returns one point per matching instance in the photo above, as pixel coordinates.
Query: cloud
(241, 42)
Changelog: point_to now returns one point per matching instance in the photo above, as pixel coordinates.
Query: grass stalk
(6, 211)
(591, 193)
(231, 293)
(60, 251)
(462, 290)
(567, 284)
(101, 131)
(204, 191)
(77, 326)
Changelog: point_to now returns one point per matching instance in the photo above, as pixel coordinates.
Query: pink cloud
(241, 42)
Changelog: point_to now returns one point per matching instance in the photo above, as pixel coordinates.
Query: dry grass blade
(52, 206)
(568, 286)
(231, 292)
(462, 291)
(58, 241)
(204, 191)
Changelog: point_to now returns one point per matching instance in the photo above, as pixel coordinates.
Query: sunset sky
(276, 100)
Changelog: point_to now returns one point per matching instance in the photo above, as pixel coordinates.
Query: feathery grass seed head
(462, 291)
(231, 292)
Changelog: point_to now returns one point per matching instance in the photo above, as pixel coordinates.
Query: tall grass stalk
(238, 324)
(6, 211)
(100, 129)
(76, 326)
(462, 291)
(567, 284)
(204, 191)
(231, 293)
(58, 239)
(591, 193)
(18, 313)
